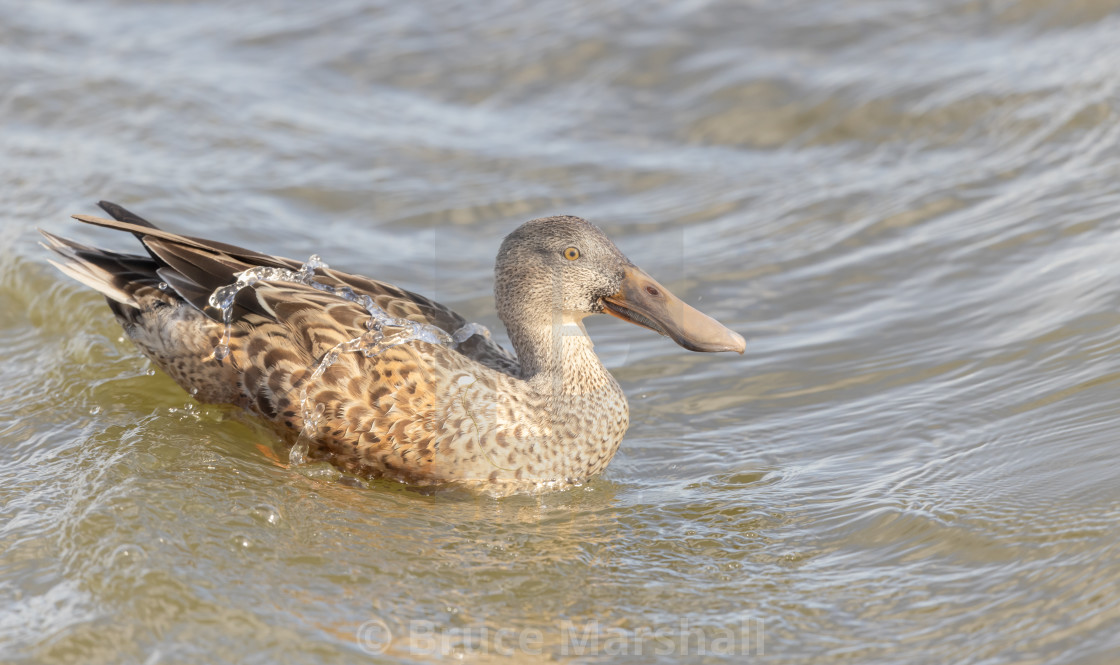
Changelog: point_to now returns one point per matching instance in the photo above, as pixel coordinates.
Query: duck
(386, 383)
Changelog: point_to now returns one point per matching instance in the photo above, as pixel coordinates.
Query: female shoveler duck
(304, 348)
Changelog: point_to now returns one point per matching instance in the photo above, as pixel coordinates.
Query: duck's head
(566, 268)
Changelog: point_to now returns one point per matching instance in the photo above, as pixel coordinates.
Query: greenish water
(909, 209)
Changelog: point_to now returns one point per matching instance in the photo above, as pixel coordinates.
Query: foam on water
(383, 331)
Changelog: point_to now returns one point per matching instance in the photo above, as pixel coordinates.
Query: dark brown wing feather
(121, 214)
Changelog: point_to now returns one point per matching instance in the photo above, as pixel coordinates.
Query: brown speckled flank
(421, 413)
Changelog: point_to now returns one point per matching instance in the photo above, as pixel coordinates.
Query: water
(909, 209)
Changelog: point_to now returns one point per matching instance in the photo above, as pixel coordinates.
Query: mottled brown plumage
(420, 412)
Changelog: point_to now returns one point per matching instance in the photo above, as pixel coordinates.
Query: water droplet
(94, 410)
(163, 286)
(194, 392)
(128, 554)
(149, 372)
(221, 352)
(469, 330)
(241, 542)
(266, 513)
(297, 456)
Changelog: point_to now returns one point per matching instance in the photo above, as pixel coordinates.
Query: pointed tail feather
(116, 276)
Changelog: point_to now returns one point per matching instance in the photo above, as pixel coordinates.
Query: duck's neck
(557, 356)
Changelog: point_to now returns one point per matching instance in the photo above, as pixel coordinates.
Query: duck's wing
(194, 268)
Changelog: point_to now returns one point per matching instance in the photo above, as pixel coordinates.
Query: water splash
(223, 297)
(469, 330)
(383, 331)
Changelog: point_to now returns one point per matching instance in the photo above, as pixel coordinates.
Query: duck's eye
(571, 253)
